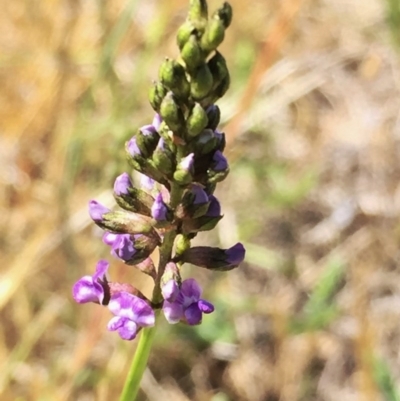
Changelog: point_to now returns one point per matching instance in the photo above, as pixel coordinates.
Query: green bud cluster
(188, 86)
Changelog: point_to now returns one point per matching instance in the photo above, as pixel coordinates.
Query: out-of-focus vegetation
(313, 128)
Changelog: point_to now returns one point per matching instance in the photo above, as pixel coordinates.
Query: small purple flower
(214, 209)
(92, 288)
(122, 184)
(131, 314)
(122, 245)
(133, 148)
(159, 209)
(187, 307)
(235, 255)
(219, 162)
(200, 196)
(97, 210)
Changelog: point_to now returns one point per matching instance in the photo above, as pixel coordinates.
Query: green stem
(139, 363)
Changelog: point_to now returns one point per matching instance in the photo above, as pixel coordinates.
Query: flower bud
(213, 36)
(219, 168)
(201, 82)
(132, 249)
(171, 113)
(173, 76)
(203, 143)
(130, 198)
(146, 140)
(159, 210)
(214, 116)
(156, 95)
(163, 158)
(147, 267)
(218, 68)
(170, 282)
(194, 203)
(182, 243)
(196, 121)
(214, 258)
(185, 170)
(224, 14)
(203, 223)
(118, 221)
(191, 53)
(184, 33)
(198, 10)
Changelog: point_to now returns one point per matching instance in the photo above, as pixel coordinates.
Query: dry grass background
(313, 128)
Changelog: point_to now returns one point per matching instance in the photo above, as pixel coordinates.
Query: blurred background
(313, 130)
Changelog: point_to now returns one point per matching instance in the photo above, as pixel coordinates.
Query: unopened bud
(184, 33)
(214, 116)
(201, 82)
(163, 158)
(213, 36)
(198, 10)
(170, 282)
(185, 170)
(192, 53)
(146, 140)
(182, 244)
(172, 75)
(224, 14)
(196, 121)
(171, 113)
(156, 95)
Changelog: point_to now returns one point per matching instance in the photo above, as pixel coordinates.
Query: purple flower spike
(133, 148)
(159, 209)
(235, 254)
(131, 314)
(96, 210)
(122, 245)
(92, 288)
(122, 184)
(214, 209)
(187, 307)
(219, 162)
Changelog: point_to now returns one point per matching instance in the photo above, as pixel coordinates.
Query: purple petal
(148, 129)
(133, 308)
(123, 247)
(122, 184)
(127, 329)
(146, 182)
(133, 149)
(187, 162)
(170, 290)
(101, 270)
(159, 209)
(96, 210)
(220, 162)
(157, 120)
(110, 238)
(84, 290)
(205, 306)
(173, 311)
(200, 196)
(214, 209)
(193, 314)
(235, 254)
(191, 291)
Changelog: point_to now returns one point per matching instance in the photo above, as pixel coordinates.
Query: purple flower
(122, 184)
(133, 148)
(122, 245)
(159, 209)
(92, 288)
(235, 255)
(131, 314)
(214, 209)
(96, 210)
(200, 196)
(219, 162)
(188, 306)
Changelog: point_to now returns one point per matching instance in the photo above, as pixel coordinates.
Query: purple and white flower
(93, 288)
(187, 307)
(131, 314)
